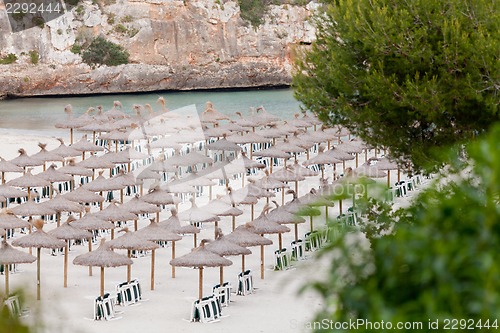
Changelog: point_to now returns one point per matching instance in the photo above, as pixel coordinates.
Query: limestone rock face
(180, 45)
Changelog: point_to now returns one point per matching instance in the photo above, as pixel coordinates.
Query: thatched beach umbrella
(72, 168)
(273, 153)
(39, 239)
(65, 151)
(200, 258)
(24, 160)
(173, 224)
(84, 145)
(155, 233)
(9, 256)
(54, 176)
(388, 165)
(138, 207)
(262, 225)
(282, 216)
(224, 248)
(115, 213)
(6, 166)
(46, 156)
(68, 232)
(130, 241)
(28, 181)
(243, 236)
(7, 191)
(157, 196)
(102, 257)
(82, 195)
(60, 204)
(71, 122)
(10, 221)
(195, 215)
(220, 208)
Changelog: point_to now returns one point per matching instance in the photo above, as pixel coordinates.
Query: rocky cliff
(173, 45)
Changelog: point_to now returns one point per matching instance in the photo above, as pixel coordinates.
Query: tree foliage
(440, 262)
(103, 52)
(409, 75)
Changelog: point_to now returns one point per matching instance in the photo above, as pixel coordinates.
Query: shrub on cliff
(103, 52)
(8, 59)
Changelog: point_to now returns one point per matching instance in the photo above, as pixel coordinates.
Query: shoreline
(12, 96)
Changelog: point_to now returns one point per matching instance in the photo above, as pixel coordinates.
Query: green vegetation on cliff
(103, 52)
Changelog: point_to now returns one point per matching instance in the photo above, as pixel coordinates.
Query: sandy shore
(274, 307)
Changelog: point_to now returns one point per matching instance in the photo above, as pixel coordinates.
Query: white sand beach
(275, 305)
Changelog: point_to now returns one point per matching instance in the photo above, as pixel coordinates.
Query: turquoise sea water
(40, 114)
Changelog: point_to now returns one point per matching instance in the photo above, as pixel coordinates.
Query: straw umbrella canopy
(137, 206)
(340, 155)
(312, 200)
(30, 208)
(282, 216)
(24, 160)
(387, 165)
(65, 151)
(39, 239)
(367, 170)
(264, 116)
(273, 152)
(322, 159)
(352, 147)
(157, 196)
(60, 204)
(243, 236)
(155, 233)
(262, 225)
(224, 247)
(289, 147)
(7, 191)
(83, 145)
(71, 168)
(210, 115)
(285, 175)
(200, 258)
(8, 220)
(9, 256)
(131, 241)
(114, 213)
(53, 176)
(6, 166)
(102, 257)
(68, 232)
(91, 222)
(246, 121)
(221, 208)
(71, 123)
(196, 215)
(125, 180)
(96, 162)
(215, 132)
(223, 144)
(81, 195)
(101, 184)
(173, 224)
(46, 156)
(28, 180)
(248, 138)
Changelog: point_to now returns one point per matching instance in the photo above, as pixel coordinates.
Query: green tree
(103, 52)
(409, 75)
(440, 262)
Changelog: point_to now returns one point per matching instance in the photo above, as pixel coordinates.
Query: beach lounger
(298, 252)
(223, 293)
(104, 308)
(14, 307)
(245, 283)
(128, 293)
(206, 310)
(282, 259)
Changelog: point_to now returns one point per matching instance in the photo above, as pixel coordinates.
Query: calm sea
(40, 114)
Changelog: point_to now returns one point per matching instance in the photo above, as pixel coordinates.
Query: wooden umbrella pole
(340, 206)
(282, 195)
(297, 187)
(280, 241)
(90, 250)
(6, 268)
(262, 261)
(326, 212)
(215, 229)
(388, 178)
(252, 209)
(38, 255)
(173, 257)
(58, 218)
(66, 264)
(194, 241)
(233, 222)
(102, 281)
(71, 135)
(135, 224)
(311, 227)
(129, 267)
(356, 160)
(296, 232)
(121, 196)
(242, 262)
(153, 269)
(221, 275)
(200, 283)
